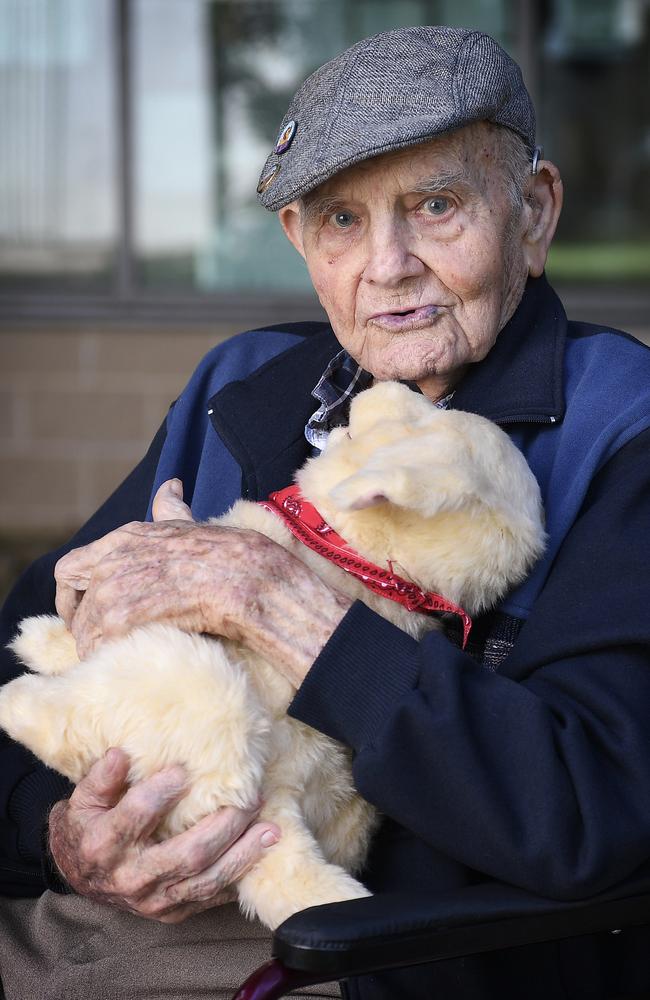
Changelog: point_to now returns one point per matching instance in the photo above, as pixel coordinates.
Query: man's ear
(545, 205)
(291, 222)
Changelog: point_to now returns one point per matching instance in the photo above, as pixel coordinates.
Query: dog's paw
(45, 645)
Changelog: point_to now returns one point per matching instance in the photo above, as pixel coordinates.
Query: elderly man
(406, 175)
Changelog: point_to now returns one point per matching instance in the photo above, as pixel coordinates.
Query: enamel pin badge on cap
(286, 137)
(268, 179)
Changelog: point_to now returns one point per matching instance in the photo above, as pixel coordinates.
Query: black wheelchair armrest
(398, 929)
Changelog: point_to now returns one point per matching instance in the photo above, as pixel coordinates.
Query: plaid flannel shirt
(338, 385)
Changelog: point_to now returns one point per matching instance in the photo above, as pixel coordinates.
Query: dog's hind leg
(345, 837)
(293, 873)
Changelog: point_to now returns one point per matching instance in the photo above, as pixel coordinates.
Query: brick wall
(78, 409)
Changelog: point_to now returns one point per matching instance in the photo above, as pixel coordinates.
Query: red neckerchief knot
(310, 528)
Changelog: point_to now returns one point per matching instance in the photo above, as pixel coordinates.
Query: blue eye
(437, 205)
(342, 220)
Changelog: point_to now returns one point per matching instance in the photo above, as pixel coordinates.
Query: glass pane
(213, 79)
(595, 123)
(57, 147)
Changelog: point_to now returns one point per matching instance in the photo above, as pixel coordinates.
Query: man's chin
(414, 371)
(434, 384)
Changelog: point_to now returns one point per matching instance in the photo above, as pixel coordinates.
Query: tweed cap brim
(387, 92)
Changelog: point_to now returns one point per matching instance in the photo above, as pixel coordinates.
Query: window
(134, 132)
(206, 117)
(58, 198)
(595, 116)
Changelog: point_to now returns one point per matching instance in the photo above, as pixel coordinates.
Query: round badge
(286, 137)
(268, 179)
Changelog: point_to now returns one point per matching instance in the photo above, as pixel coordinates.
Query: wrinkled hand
(109, 570)
(167, 505)
(100, 840)
(201, 578)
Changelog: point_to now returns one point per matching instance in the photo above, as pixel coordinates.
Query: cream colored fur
(442, 494)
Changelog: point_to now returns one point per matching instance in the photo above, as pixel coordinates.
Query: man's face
(417, 257)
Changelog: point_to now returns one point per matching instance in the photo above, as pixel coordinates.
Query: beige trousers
(68, 948)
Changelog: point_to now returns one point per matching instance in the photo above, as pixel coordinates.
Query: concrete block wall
(78, 409)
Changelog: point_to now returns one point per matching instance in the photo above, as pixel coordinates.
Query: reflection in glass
(213, 80)
(209, 83)
(595, 113)
(57, 183)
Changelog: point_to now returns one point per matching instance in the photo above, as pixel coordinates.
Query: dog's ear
(360, 491)
(428, 490)
(428, 473)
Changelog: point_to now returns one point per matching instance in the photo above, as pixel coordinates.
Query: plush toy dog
(441, 498)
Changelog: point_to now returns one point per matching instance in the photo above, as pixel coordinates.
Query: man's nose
(391, 254)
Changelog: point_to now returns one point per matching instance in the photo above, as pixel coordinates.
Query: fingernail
(176, 488)
(112, 757)
(268, 839)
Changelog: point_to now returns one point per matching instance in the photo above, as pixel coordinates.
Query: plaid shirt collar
(338, 385)
(340, 382)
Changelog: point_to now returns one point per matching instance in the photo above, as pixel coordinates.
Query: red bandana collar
(304, 521)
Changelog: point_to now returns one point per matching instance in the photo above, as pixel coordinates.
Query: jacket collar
(521, 379)
(262, 418)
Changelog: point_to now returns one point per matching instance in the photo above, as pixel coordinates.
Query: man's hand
(168, 504)
(200, 578)
(100, 840)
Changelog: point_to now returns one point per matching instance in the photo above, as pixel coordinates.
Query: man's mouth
(406, 319)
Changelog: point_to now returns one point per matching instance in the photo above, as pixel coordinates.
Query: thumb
(168, 503)
(104, 785)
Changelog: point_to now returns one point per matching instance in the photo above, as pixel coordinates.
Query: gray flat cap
(393, 90)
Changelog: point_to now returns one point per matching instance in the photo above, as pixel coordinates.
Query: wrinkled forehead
(468, 158)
